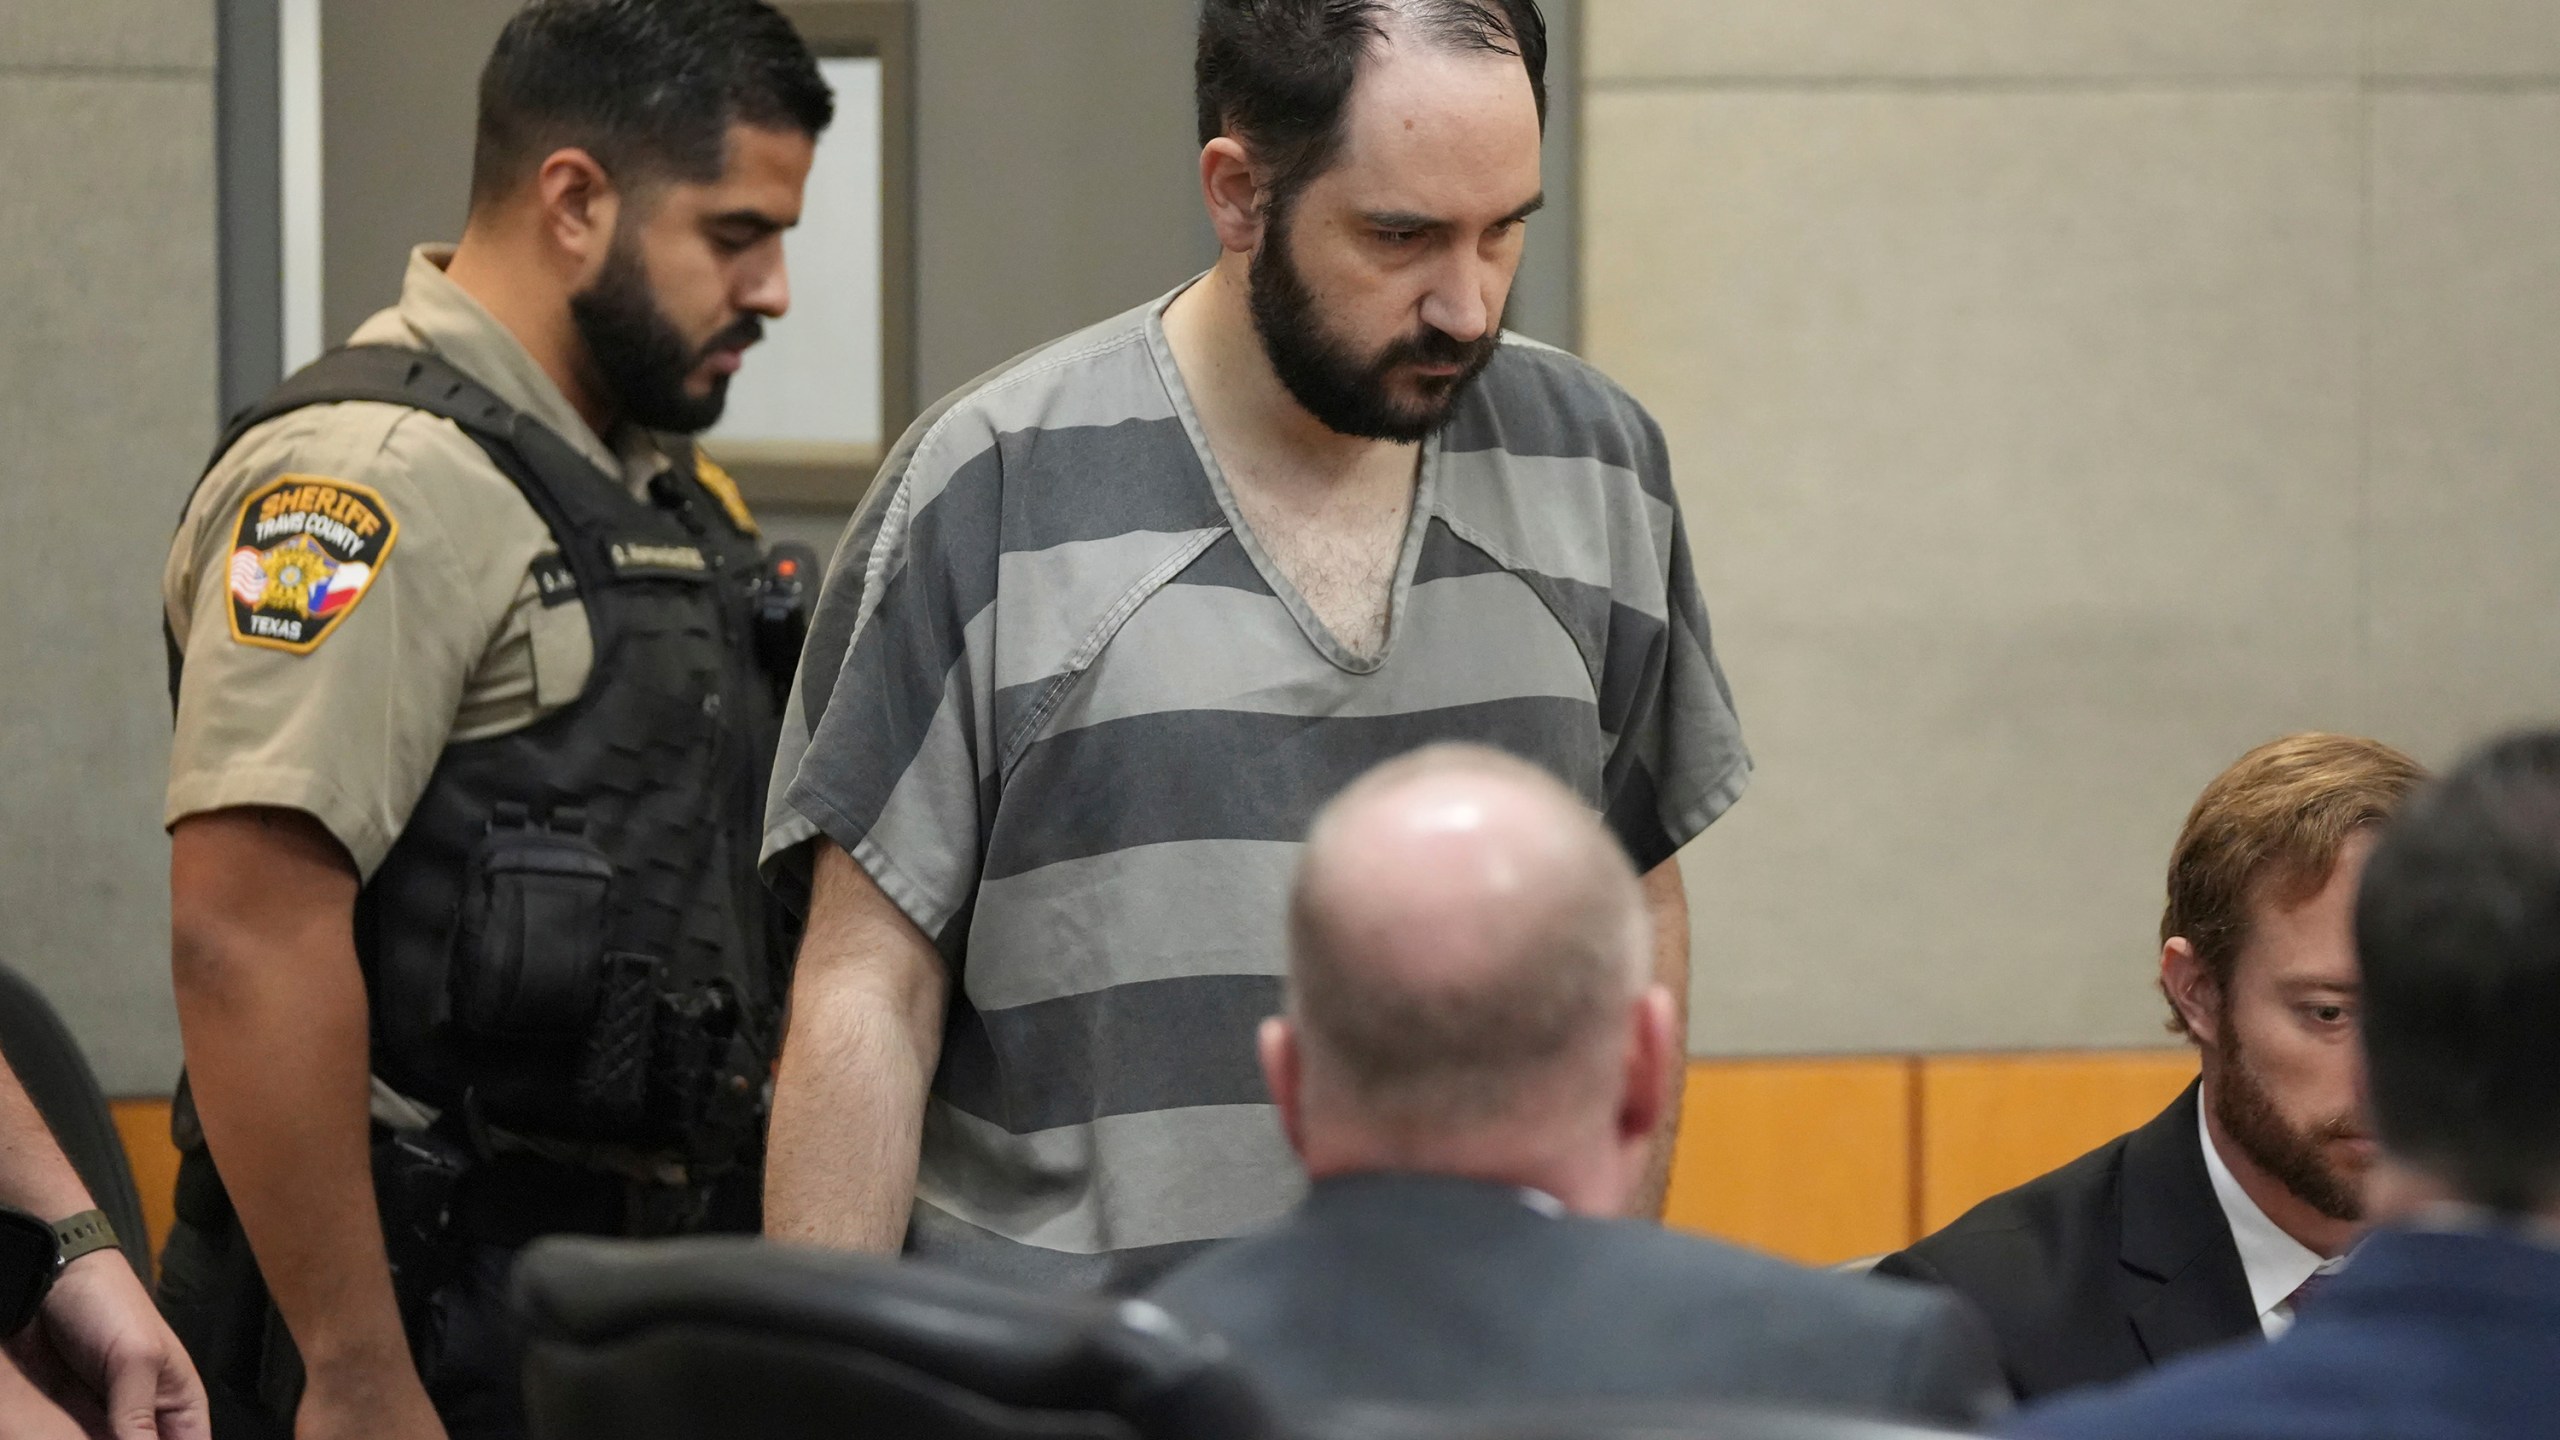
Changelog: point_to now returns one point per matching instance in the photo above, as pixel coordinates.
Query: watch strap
(79, 1234)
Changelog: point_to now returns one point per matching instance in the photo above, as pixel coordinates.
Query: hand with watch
(97, 1358)
(34, 1254)
(32, 1257)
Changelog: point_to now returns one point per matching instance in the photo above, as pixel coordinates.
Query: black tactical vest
(570, 940)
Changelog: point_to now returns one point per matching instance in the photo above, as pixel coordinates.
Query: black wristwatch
(33, 1253)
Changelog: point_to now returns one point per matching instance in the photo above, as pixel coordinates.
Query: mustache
(1436, 347)
(740, 333)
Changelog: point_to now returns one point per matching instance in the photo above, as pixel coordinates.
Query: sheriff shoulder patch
(724, 488)
(307, 550)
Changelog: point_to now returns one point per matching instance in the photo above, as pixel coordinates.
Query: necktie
(2303, 1292)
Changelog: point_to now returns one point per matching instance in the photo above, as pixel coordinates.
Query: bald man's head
(1465, 940)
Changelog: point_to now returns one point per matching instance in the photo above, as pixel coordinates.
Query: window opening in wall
(811, 393)
(298, 169)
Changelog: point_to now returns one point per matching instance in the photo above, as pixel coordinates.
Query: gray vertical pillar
(249, 201)
(1546, 299)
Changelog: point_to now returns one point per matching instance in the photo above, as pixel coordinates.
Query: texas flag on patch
(342, 587)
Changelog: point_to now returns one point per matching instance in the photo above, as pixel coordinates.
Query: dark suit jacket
(2422, 1336)
(1423, 1288)
(2102, 1269)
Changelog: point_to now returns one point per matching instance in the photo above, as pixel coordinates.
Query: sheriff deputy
(477, 665)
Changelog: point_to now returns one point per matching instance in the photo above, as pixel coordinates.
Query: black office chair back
(65, 1091)
(1685, 1420)
(684, 1339)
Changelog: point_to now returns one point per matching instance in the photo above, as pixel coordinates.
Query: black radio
(782, 607)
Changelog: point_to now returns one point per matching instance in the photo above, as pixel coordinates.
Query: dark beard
(1348, 394)
(637, 358)
(2294, 1157)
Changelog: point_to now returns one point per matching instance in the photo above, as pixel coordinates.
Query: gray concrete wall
(2067, 397)
(399, 85)
(107, 403)
(1054, 173)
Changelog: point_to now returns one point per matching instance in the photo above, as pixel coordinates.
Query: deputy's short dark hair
(2458, 933)
(648, 87)
(1277, 74)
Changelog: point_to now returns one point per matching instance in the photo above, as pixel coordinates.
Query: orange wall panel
(1989, 1122)
(1809, 1159)
(143, 1125)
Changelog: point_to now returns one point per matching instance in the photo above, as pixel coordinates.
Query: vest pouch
(531, 939)
(613, 1074)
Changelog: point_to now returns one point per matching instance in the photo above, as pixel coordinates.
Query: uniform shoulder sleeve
(1564, 479)
(1678, 761)
(328, 597)
(886, 747)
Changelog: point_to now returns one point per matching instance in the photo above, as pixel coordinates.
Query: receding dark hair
(1277, 74)
(2458, 934)
(648, 87)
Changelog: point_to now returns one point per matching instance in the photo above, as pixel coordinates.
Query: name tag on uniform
(554, 581)
(645, 558)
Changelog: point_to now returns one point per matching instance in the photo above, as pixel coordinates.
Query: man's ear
(2191, 990)
(1653, 1065)
(580, 206)
(1233, 193)
(1284, 1072)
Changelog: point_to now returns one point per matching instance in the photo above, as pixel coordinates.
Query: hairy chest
(1339, 553)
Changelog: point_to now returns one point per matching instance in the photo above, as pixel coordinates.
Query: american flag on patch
(248, 575)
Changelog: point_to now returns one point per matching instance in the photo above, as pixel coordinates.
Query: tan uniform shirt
(319, 684)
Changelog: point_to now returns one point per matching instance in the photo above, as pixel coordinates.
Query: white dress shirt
(1542, 1202)
(2275, 1262)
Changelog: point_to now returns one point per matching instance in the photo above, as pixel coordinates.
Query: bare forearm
(1668, 900)
(278, 1060)
(98, 1345)
(34, 1176)
(848, 1121)
(848, 1104)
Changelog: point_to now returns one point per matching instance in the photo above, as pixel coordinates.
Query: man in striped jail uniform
(1118, 618)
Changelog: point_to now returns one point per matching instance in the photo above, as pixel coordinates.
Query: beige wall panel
(2018, 439)
(1098, 205)
(2486, 38)
(1973, 38)
(397, 110)
(2465, 341)
(104, 34)
(107, 400)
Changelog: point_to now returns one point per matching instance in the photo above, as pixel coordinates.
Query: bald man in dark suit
(1473, 1057)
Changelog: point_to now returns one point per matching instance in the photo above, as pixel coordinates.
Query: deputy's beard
(638, 359)
(2297, 1158)
(1346, 391)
